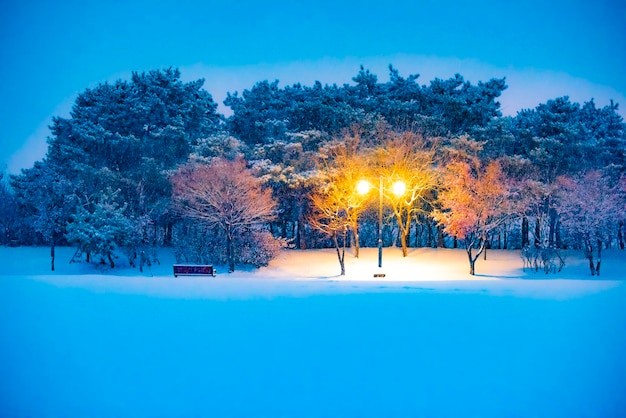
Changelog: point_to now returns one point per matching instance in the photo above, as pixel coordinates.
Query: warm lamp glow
(363, 187)
(398, 188)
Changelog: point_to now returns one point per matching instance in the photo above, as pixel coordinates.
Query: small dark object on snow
(379, 274)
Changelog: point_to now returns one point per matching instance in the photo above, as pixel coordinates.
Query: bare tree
(474, 201)
(223, 194)
(330, 217)
(336, 206)
(339, 172)
(590, 210)
(406, 159)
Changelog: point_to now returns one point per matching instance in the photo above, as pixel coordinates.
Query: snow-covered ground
(294, 339)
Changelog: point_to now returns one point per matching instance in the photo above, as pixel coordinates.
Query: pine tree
(127, 137)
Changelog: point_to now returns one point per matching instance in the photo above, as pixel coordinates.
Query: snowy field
(297, 340)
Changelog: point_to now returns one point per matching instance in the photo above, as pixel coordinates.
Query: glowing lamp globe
(399, 188)
(363, 187)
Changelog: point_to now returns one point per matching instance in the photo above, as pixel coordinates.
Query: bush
(194, 243)
(258, 248)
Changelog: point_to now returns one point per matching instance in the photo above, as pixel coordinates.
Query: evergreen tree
(126, 137)
(45, 202)
(266, 112)
(99, 228)
(561, 138)
(8, 212)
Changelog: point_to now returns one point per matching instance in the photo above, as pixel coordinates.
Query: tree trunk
(599, 257)
(525, 230)
(357, 245)
(52, 254)
(620, 235)
(552, 230)
(405, 250)
(168, 233)
(473, 257)
(589, 254)
(302, 235)
(537, 234)
(230, 251)
(341, 254)
(430, 242)
(404, 228)
(472, 261)
(440, 242)
(591, 266)
(296, 234)
(506, 240)
(557, 237)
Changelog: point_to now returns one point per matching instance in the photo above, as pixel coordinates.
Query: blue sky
(53, 50)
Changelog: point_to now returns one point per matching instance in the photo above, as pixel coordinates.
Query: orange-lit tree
(406, 161)
(331, 215)
(336, 202)
(473, 201)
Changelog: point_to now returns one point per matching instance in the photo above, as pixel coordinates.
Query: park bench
(193, 270)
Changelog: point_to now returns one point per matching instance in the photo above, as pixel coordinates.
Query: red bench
(193, 270)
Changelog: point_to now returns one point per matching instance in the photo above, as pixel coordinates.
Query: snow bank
(295, 340)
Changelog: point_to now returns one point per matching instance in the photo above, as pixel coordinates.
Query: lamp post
(380, 222)
(398, 188)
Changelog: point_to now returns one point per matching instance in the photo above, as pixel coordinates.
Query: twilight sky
(52, 50)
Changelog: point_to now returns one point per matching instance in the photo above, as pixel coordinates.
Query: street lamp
(398, 188)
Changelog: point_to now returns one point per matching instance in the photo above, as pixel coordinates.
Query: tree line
(149, 162)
